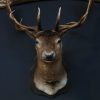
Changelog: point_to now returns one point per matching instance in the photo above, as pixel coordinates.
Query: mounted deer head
(50, 75)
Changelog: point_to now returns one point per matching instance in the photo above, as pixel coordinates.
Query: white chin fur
(46, 88)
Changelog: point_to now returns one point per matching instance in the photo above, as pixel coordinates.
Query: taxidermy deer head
(50, 75)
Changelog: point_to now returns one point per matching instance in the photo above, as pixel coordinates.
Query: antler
(67, 26)
(58, 19)
(19, 26)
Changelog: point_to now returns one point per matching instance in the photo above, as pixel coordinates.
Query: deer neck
(50, 77)
(47, 71)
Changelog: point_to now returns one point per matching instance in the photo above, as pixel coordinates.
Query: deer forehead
(48, 37)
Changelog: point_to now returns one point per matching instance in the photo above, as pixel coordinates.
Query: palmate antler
(19, 26)
(70, 25)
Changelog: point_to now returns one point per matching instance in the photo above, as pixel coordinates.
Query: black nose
(49, 56)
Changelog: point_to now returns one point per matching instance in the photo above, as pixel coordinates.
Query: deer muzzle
(48, 56)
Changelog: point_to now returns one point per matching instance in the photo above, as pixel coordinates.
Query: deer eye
(37, 41)
(59, 41)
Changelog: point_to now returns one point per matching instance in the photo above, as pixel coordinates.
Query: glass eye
(36, 42)
(59, 41)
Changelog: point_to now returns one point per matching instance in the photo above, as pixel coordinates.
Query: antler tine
(58, 19)
(67, 26)
(39, 20)
(19, 26)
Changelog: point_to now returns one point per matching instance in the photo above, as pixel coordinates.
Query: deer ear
(31, 34)
(62, 31)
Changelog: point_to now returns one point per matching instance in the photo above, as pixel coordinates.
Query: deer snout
(48, 56)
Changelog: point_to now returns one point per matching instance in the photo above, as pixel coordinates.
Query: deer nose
(49, 56)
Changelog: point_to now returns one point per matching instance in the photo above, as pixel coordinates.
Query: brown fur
(49, 73)
(49, 77)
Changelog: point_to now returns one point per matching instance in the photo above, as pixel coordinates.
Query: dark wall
(81, 51)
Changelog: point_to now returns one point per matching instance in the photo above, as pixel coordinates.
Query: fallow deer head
(50, 75)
